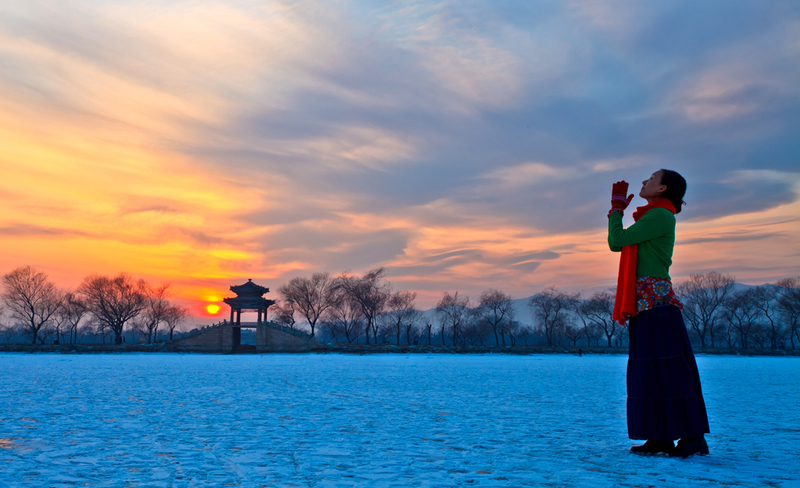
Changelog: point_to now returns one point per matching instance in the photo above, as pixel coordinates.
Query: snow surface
(163, 420)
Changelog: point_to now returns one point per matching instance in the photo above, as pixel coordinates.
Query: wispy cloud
(28, 230)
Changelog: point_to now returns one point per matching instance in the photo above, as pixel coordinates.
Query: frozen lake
(163, 420)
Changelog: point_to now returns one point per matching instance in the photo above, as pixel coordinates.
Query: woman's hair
(676, 188)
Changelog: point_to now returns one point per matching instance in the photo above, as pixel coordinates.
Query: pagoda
(249, 296)
(226, 337)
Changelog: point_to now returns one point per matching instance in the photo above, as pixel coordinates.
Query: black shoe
(690, 447)
(653, 447)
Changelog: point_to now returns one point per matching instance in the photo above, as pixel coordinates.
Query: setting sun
(212, 309)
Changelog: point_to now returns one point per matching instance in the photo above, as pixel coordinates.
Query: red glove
(619, 202)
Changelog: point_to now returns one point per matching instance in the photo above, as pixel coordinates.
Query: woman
(665, 401)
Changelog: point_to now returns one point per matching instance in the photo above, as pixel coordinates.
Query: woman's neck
(653, 199)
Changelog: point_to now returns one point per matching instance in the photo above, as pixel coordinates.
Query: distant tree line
(767, 316)
(716, 315)
(351, 309)
(101, 306)
(365, 309)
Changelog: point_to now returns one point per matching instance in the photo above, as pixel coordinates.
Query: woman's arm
(654, 223)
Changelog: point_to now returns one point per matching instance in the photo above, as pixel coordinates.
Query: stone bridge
(225, 337)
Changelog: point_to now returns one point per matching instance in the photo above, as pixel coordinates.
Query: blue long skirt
(665, 400)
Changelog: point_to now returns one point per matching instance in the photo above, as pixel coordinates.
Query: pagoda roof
(248, 303)
(249, 289)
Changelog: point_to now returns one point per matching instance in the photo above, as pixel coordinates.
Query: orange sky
(202, 144)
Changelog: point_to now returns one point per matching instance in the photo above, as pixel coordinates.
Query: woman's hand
(619, 202)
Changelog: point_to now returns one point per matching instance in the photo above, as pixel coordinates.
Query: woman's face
(652, 188)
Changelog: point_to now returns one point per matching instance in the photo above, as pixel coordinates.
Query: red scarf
(625, 303)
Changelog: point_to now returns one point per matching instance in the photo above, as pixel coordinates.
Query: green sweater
(655, 235)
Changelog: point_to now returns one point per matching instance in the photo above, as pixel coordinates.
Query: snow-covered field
(162, 420)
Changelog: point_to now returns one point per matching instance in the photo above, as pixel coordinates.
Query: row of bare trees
(103, 303)
(560, 316)
(365, 308)
(348, 306)
(473, 324)
(767, 316)
(354, 308)
(716, 314)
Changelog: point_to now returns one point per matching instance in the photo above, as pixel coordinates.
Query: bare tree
(729, 333)
(331, 329)
(85, 329)
(311, 297)
(476, 329)
(599, 310)
(99, 328)
(789, 306)
(412, 327)
(454, 311)
(429, 326)
(114, 301)
(496, 308)
(370, 292)
(284, 313)
(765, 299)
(623, 335)
(343, 318)
(138, 329)
(702, 296)
(525, 332)
(551, 308)
(174, 315)
(46, 332)
(73, 310)
(8, 332)
(760, 335)
(587, 328)
(155, 312)
(573, 333)
(31, 298)
(585, 309)
(59, 319)
(401, 315)
(512, 329)
(740, 312)
(330, 326)
(579, 308)
(385, 331)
